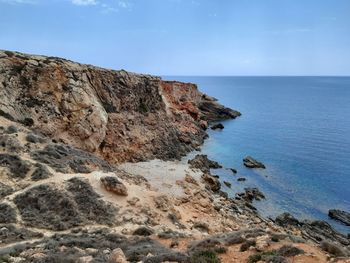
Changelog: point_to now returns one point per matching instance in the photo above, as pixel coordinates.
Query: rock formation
(218, 126)
(340, 215)
(121, 116)
(65, 196)
(250, 162)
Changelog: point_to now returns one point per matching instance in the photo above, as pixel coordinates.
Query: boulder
(117, 256)
(340, 215)
(211, 182)
(250, 162)
(112, 184)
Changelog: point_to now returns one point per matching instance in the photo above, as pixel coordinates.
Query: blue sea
(299, 127)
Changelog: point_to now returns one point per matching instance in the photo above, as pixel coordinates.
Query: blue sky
(185, 37)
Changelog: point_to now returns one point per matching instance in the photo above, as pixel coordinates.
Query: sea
(299, 127)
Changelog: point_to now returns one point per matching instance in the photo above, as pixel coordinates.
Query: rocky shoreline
(90, 172)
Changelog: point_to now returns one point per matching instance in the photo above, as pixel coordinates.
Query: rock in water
(112, 184)
(218, 126)
(250, 162)
(340, 215)
(213, 111)
(202, 162)
(228, 184)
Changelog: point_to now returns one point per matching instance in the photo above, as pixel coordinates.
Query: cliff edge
(118, 115)
(73, 187)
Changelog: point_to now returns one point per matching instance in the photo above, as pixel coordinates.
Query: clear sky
(185, 37)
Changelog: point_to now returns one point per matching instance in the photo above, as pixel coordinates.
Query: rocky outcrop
(54, 173)
(119, 115)
(203, 163)
(213, 111)
(211, 182)
(250, 194)
(317, 231)
(218, 126)
(250, 162)
(340, 215)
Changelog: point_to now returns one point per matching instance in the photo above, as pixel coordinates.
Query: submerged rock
(250, 162)
(234, 171)
(228, 184)
(340, 215)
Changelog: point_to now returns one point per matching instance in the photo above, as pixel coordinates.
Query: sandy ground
(163, 175)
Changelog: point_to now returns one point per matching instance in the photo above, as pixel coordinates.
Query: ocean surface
(299, 127)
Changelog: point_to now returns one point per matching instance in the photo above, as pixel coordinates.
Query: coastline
(96, 179)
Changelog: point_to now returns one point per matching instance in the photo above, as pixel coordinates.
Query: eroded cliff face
(119, 115)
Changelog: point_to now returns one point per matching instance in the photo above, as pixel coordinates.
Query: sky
(185, 37)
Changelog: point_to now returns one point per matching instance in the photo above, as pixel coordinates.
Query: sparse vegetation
(9, 54)
(289, 251)
(143, 108)
(204, 256)
(247, 244)
(261, 256)
(333, 249)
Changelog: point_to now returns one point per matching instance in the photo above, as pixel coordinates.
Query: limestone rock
(211, 182)
(250, 162)
(119, 115)
(117, 256)
(340, 215)
(218, 126)
(202, 162)
(112, 184)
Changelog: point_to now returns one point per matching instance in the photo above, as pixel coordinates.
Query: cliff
(67, 193)
(118, 115)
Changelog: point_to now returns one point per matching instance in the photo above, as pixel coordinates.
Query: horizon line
(342, 76)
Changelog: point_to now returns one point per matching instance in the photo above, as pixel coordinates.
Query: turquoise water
(299, 127)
